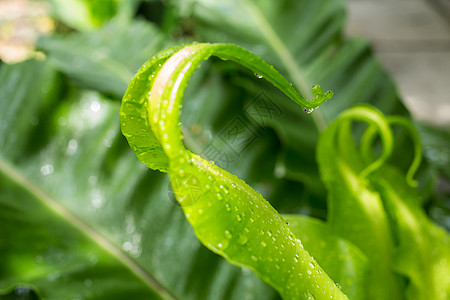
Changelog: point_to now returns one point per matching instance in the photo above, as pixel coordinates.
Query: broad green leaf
(64, 251)
(228, 216)
(345, 263)
(355, 209)
(105, 59)
(62, 147)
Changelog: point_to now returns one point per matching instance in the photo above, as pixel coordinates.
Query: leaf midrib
(15, 175)
(286, 58)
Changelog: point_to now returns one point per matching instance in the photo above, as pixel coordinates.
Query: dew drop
(254, 258)
(243, 238)
(95, 106)
(228, 234)
(309, 296)
(227, 206)
(127, 246)
(239, 218)
(225, 190)
(308, 110)
(311, 265)
(258, 76)
(263, 244)
(47, 169)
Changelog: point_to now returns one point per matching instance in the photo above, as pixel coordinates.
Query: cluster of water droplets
(133, 239)
(308, 110)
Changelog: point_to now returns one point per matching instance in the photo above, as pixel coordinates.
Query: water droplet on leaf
(308, 110)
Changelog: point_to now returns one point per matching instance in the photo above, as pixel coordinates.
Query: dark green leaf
(73, 155)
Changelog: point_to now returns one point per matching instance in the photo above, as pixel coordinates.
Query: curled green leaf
(227, 215)
(369, 137)
(356, 211)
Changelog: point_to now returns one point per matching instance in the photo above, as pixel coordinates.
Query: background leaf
(82, 162)
(105, 59)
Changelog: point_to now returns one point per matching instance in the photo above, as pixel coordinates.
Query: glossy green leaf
(340, 259)
(79, 214)
(355, 209)
(228, 216)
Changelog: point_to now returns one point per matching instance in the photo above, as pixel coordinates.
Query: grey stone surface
(412, 40)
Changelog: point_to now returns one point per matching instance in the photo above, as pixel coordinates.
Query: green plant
(228, 216)
(233, 220)
(82, 218)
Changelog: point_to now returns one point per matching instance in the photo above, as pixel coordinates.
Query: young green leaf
(228, 216)
(423, 251)
(356, 211)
